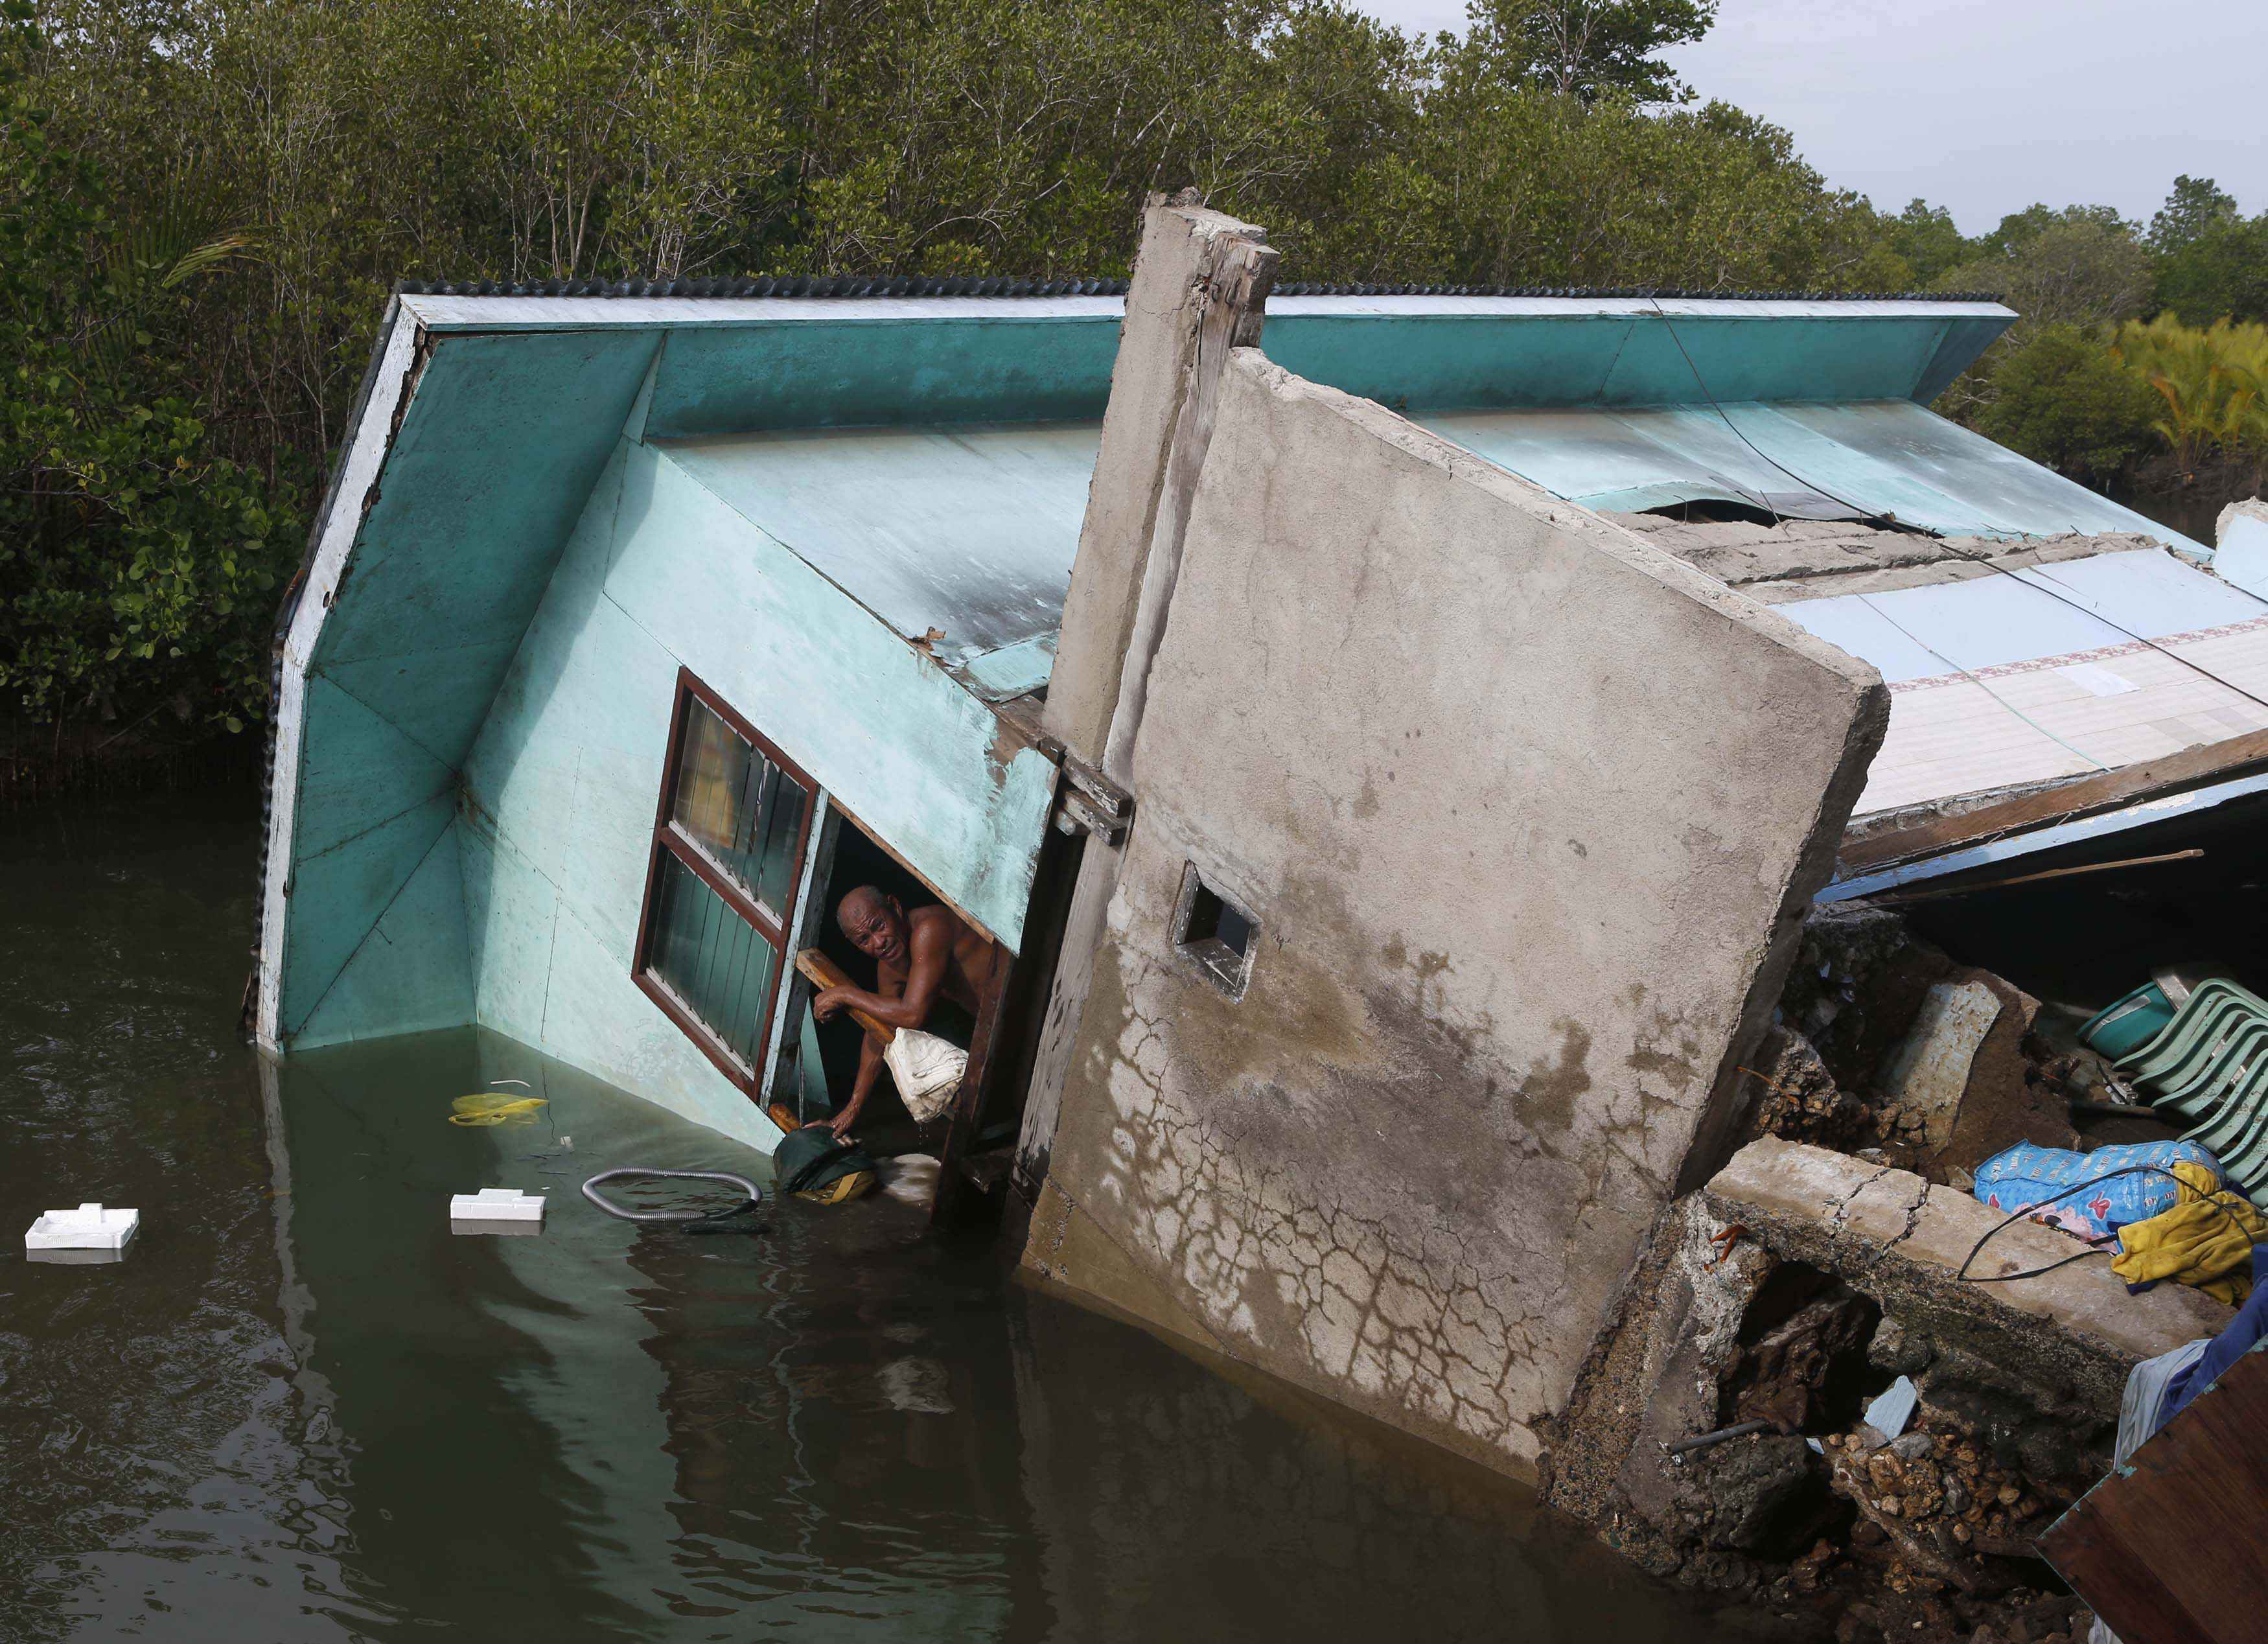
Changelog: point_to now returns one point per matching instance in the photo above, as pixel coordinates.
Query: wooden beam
(2026, 879)
(2065, 802)
(959, 1197)
(823, 972)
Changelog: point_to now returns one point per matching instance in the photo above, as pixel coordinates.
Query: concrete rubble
(1884, 1043)
(1821, 1264)
(1798, 1283)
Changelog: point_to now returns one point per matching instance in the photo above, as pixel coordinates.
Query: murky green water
(302, 1409)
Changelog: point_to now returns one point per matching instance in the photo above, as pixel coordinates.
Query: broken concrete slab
(1928, 1075)
(1850, 1217)
(1792, 559)
(2241, 558)
(1557, 1069)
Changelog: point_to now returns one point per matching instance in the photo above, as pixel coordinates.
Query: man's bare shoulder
(934, 916)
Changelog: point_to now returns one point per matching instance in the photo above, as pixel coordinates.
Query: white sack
(926, 1071)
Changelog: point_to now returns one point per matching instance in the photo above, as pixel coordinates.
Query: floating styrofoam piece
(496, 1210)
(1889, 1414)
(89, 1227)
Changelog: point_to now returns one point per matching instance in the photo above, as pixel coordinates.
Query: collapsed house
(1398, 744)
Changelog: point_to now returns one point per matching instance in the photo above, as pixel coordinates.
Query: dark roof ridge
(847, 285)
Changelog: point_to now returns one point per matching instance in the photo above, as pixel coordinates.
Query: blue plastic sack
(2053, 1183)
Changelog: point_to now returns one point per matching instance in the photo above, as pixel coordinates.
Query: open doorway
(826, 1053)
(816, 1069)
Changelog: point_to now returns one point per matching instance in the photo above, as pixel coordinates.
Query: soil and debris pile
(1887, 1047)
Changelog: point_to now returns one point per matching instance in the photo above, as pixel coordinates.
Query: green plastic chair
(2202, 1060)
(2195, 1030)
(2238, 1107)
(2202, 1084)
(2244, 1161)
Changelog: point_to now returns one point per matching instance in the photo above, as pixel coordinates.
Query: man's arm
(870, 1068)
(930, 943)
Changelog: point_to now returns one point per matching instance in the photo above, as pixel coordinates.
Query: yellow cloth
(2204, 1241)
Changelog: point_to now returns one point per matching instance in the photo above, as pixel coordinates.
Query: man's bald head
(874, 922)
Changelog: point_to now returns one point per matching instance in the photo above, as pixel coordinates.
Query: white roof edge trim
(342, 522)
(541, 313)
(585, 313)
(1611, 307)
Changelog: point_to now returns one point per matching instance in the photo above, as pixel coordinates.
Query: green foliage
(137, 568)
(2018, 229)
(2075, 268)
(2061, 398)
(1926, 243)
(203, 204)
(2196, 205)
(1589, 48)
(2221, 272)
(2212, 385)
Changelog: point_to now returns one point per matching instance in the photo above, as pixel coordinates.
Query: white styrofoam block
(89, 1227)
(496, 1204)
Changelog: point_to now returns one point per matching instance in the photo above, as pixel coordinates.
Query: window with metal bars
(729, 835)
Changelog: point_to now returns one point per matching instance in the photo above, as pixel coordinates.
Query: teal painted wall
(1477, 362)
(560, 784)
(486, 477)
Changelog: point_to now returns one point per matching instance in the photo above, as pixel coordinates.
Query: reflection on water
(2194, 511)
(304, 1409)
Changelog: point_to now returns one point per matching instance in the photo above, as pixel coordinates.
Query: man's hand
(825, 1003)
(841, 1123)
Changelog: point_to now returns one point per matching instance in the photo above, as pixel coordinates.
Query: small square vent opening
(1215, 933)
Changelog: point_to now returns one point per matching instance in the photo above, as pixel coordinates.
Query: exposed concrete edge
(1064, 1238)
(1184, 299)
(1844, 1215)
(1611, 1408)
(1942, 573)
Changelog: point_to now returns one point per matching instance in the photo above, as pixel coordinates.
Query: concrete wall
(1527, 812)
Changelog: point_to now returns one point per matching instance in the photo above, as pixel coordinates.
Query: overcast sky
(1985, 106)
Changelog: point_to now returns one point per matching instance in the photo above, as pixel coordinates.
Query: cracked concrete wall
(1528, 814)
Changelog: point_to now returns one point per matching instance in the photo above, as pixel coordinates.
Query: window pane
(742, 808)
(713, 959)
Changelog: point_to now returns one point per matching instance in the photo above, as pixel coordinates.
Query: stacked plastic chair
(2208, 1068)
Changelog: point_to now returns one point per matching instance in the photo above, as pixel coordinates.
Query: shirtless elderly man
(919, 958)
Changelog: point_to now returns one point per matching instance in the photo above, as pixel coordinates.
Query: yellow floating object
(842, 1190)
(492, 1107)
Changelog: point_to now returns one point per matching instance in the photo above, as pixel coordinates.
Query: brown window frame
(670, 838)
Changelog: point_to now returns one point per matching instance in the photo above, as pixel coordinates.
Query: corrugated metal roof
(2051, 671)
(963, 535)
(1875, 459)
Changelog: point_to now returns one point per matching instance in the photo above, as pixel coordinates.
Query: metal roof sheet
(963, 535)
(1872, 459)
(2050, 671)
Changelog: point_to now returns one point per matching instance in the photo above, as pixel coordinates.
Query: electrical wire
(2077, 753)
(2043, 585)
(2097, 1247)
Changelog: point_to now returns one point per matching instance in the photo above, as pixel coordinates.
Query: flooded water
(302, 1409)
